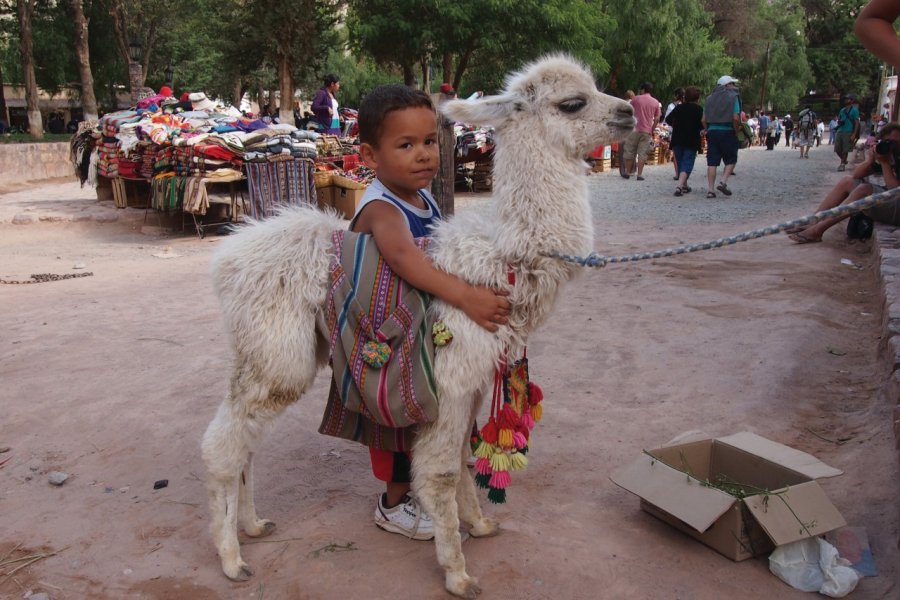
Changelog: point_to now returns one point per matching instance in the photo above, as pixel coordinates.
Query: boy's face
(406, 158)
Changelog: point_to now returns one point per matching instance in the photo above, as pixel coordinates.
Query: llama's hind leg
(237, 429)
(247, 518)
(470, 508)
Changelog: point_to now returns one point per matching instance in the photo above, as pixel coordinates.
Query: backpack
(859, 227)
(806, 120)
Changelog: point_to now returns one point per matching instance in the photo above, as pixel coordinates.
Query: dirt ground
(113, 379)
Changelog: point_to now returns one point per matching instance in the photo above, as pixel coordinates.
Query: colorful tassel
(500, 461)
(500, 480)
(537, 411)
(519, 440)
(505, 438)
(497, 495)
(489, 431)
(482, 481)
(527, 419)
(508, 418)
(484, 450)
(517, 461)
(483, 466)
(535, 393)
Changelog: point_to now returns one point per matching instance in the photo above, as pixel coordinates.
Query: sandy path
(113, 378)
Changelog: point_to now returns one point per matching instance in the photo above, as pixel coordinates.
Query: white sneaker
(407, 518)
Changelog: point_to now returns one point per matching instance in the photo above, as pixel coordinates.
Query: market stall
(194, 156)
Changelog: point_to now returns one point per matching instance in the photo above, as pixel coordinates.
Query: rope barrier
(597, 260)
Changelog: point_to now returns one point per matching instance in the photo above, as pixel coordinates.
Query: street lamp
(170, 76)
(135, 71)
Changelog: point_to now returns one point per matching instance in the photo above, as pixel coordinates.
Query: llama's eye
(572, 105)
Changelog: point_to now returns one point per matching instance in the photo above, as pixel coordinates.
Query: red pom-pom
(489, 431)
(508, 418)
(535, 393)
(524, 431)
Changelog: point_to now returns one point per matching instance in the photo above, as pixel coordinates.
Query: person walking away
(678, 99)
(806, 126)
(686, 121)
(778, 129)
(398, 131)
(770, 132)
(820, 131)
(639, 142)
(832, 129)
(325, 105)
(788, 130)
(721, 118)
(847, 130)
(763, 128)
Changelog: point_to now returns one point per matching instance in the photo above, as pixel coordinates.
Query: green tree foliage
(670, 43)
(473, 40)
(838, 62)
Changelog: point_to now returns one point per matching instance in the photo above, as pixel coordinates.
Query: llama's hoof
(240, 572)
(463, 586)
(485, 528)
(262, 528)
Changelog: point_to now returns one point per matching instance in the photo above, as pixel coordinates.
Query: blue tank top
(419, 220)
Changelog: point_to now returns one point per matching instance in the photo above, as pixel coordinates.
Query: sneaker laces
(412, 504)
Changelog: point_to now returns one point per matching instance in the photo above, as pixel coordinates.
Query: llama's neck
(541, 202)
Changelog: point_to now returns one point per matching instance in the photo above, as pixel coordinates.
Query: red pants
(390, 466)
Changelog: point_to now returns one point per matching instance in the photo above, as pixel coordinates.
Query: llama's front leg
(249, 522)
(470, 508)
(436, 467)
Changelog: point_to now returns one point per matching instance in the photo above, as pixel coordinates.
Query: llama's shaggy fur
(272, 276)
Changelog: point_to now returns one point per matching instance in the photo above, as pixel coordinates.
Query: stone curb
(887, 249)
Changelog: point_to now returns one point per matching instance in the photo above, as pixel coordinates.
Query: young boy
(399, 141)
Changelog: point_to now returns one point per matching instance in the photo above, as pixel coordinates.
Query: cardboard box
(325, 197)
(346, 200)
(682, 485)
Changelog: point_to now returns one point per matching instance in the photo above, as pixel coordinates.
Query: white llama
(271, 278)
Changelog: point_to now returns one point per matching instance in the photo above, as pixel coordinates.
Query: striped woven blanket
(382, 349)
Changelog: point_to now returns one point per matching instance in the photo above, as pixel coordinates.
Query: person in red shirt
(640, 141)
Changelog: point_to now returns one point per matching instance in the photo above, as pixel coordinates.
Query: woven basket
(322, 178)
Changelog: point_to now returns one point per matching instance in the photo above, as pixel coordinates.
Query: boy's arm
(488, 308)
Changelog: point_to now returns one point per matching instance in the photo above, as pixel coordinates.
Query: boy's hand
(487, 307)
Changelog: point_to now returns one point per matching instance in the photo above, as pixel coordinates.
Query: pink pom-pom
(500, 480)
(519, 440)
(483, 466)
(527, 420)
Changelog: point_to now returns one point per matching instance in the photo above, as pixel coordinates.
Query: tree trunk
(4, 112)
(447, 67)
(236, 94)
(426, 74)
(442, 186)
(83, 57)
(286, 106)
(409, 78)
(26, 47)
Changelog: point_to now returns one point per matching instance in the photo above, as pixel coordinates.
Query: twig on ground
(144, 339)
(296, 539)
(45, 584)
(195, 476)
(30, 561)
(195, 504)
(5, 556)
(838, 442)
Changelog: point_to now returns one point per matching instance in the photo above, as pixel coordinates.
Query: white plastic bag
(813, 565)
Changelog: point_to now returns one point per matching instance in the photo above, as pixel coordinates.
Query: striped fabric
(281, 183)
(368, 302)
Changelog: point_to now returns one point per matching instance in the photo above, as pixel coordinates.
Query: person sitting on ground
(398, 134)
(857, 185)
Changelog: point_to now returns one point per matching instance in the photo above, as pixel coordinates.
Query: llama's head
(554, 102)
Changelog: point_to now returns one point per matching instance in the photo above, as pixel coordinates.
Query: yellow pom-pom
(484, 450)
(517, 461)
(537, 411)
(500, 461)
(505, 438)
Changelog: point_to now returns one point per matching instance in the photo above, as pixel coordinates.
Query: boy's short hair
(887, 130)
(384, 99)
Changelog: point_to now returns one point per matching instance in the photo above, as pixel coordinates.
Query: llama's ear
(489, 110)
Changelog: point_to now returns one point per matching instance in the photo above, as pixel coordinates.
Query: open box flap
(795, 460)
(674, 492)
(798, 512)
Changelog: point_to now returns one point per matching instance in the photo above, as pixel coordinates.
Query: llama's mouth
(624, 124)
